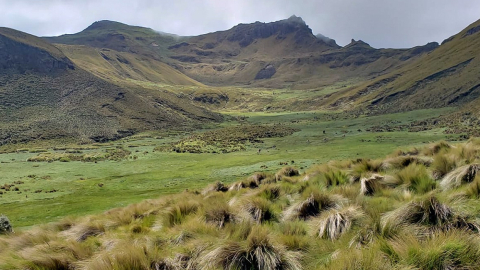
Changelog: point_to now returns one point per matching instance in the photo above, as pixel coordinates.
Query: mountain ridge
(45, 95)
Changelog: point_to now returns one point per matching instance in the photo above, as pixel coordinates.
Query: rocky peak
(358, 44)
(327, 40)
(295, 19)
(245, 34)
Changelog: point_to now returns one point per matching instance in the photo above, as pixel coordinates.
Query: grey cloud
(382, 23)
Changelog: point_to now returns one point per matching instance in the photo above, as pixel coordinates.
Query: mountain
(122, 53)
(45, 95)
(277, 54)
(122, 38)
(282, 54)
(446, 76)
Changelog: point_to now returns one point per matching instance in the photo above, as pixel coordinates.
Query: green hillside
(44, 95)
(447, 76)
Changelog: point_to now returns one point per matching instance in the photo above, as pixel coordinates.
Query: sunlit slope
(447, 76)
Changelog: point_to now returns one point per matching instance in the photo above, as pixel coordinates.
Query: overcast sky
(382, 23)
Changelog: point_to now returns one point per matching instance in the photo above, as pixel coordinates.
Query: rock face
(245, 34)
(266, 73)
(17, 57)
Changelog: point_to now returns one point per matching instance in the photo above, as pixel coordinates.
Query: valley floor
(327, 197)
(52, 190)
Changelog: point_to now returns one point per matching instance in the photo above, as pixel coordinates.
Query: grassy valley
(258, 147)
(414, 208)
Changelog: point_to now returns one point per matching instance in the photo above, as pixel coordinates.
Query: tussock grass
(473, 190)
(257, 252)
(217, 187)
(395, 219)
(176, 214)
(258, 210)
(311, 206)
(335, 178)
(436, 148)
(286, 172)
(335, 222)
(454, 250)
(400, 162)
(429, 212)
(219, 214)
(415, 178)
(372, 184)
(442, 165)
(237, 186)
(464, 174)
(364, 168)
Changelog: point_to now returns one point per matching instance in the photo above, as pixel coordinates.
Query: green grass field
(57, 189)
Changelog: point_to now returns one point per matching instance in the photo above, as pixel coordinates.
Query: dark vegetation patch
(116, 154)
(226, 140)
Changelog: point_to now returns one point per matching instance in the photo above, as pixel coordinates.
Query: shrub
(5, 225)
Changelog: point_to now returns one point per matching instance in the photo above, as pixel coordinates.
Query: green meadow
(48, 191)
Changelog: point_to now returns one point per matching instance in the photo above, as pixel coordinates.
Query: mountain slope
(122, 53)
(282, 54)
(43, 94)
(125, 68)
(447, 76)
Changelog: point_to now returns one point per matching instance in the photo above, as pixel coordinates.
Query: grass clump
(219, 214)
(176, 214)
(335, 178)
(429, 212)
(416, 178)
(464, 174)
(395, 219)
(258, 209)
(335, 222)
(310, 206)
(442, 164)
(257, 252)
(372, 184)
(453, 250)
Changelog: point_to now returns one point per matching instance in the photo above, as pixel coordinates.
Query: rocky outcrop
(266, 73)
(245, 34)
